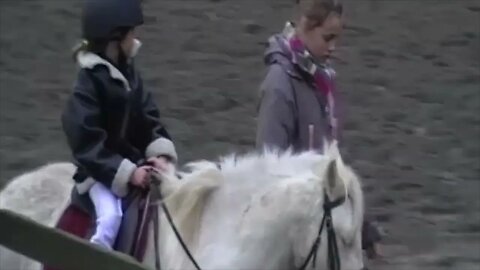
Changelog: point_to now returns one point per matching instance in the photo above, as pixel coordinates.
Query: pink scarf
(323, 76)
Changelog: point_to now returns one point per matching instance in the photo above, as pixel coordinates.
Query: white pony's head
(336, 181)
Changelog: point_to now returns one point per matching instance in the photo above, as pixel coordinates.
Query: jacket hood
(276, 50)
(278, 53)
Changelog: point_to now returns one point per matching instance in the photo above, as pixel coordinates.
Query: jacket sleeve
(86, 137)
(275, 126)
(159, 141)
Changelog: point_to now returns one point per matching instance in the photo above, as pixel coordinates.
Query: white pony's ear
(336, 186)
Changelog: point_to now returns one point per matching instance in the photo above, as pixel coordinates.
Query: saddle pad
(74, 221)
(79, 219)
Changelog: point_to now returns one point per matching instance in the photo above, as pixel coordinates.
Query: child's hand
(139, 176)
(162, 163)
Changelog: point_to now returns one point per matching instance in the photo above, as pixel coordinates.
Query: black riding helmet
(102, 18)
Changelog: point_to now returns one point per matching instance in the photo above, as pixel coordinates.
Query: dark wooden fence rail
(56, 248)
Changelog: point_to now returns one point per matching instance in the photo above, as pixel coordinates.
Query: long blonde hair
(79, 47)
(97, 47)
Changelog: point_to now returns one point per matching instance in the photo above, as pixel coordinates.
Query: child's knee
(111, 219)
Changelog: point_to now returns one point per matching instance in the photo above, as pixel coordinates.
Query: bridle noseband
(155, 193)
(333, 255)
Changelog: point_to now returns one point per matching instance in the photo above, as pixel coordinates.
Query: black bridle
(333, 255)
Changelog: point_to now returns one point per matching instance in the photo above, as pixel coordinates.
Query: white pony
(257, 211)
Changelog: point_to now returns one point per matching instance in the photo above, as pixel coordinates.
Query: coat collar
(90, 60)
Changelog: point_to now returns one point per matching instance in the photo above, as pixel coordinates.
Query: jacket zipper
(126, 115)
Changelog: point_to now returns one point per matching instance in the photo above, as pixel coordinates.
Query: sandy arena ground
(410, 77)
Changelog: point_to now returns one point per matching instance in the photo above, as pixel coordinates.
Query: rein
(174, 228)
(333, 255)
(155, 193)
(151, 193)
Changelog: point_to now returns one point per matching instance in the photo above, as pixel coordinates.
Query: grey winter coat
(289, 104)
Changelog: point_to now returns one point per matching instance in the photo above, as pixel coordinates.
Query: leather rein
(154, 198)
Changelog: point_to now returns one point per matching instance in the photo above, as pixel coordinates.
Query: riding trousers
(108, 210)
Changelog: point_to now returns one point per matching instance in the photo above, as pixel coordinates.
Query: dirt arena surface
(410, 76)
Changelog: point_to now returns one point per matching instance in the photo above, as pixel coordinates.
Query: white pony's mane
(267, 168)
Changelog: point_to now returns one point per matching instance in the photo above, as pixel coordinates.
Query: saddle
(79, 219)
